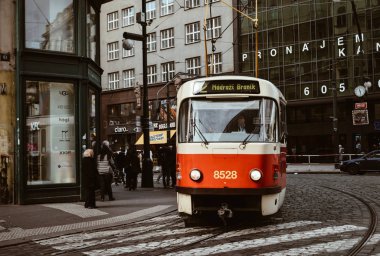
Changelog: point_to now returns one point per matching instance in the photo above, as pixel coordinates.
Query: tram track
(372, 224)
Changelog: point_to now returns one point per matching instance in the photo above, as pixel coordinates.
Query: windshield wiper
(197, 130)
(245, 141)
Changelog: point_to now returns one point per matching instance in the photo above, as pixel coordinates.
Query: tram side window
(284, 129)
(184, 134)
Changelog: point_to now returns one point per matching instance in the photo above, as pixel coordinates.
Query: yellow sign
(156, 137)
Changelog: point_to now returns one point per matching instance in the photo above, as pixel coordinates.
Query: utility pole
(147, 165)
(335, 95)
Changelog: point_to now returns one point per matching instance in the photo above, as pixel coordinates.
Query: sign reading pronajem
(232, 86)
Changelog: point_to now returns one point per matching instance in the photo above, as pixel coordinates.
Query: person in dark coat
(172, 165)
(90, 178)
(105, 171)
(164, 158)
(120, 161)
(133, 166)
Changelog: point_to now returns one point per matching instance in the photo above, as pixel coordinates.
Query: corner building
(308, 48)
(50, 69)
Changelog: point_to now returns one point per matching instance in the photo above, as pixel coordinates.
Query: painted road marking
(266, 229)
(248, 244)
(80, 241)
(83, 240)
(76, 209)
(22, 233)
(329, 247)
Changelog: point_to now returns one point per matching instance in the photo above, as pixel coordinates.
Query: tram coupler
(224, 212)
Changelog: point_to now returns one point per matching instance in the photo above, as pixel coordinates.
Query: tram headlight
(255, 174)
(196, 175)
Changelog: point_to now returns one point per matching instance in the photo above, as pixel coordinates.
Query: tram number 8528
(228, 175)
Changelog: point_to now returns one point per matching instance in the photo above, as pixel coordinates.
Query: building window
(128, 16)
(112, 21)
(167, 38)
(113, 81)
(113, 51)
(151, 10)
(168, 71)
(129, 78)
(121, 114)
(192, 3)
(193, 65)
(215, 64)
(50, 133)
(214, 28)
(51, 29)
(151, 42)
(167, 7)
(193, 32)
(152, 74)
(128, 53)
(91, 33)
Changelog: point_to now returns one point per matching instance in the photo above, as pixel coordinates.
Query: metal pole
(257, 44)
(167, 115)
(335, 96)
(147, 165)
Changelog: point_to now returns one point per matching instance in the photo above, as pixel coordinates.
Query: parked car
(367, 163)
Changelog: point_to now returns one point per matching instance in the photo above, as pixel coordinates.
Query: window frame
(191, 35)
(113, 51)
(167, 38)
(192, 67)
(112, 20)
(129, 78)
(128, 16)
(113, 80)
(166, 7)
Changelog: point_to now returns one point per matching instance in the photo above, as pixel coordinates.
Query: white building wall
(180, 52)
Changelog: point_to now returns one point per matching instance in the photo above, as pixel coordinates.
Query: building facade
(50, 72)
(309, 49)
(175, 44)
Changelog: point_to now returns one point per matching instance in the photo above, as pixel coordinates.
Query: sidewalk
(20, 223)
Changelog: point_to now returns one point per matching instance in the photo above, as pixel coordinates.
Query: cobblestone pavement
(314, 220)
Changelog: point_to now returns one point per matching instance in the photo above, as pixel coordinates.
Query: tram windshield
(209, 120)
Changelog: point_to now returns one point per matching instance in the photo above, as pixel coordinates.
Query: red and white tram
(231, 151)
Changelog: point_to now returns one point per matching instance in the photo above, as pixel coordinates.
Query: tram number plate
(225, 175)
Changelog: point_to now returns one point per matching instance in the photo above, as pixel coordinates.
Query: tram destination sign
(230, 86)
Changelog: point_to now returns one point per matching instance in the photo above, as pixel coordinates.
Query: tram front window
(253, 120)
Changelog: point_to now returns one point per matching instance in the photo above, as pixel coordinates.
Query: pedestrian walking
(90, 178)
(120, 162)
(341, 152)
(133, 166)
(165, 166)
(358, 147)
(105, 171)
(172, 164)
(159, 165)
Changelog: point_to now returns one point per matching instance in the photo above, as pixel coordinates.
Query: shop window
(49, 25)
(91, 33)
(50, 133)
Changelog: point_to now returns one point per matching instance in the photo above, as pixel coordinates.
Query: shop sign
(122, 129)
(361, 105)
(159, 126)
(360, 117)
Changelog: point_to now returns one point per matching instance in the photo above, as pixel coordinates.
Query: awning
(156, 137)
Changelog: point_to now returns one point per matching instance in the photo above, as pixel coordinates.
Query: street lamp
(147, 165)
